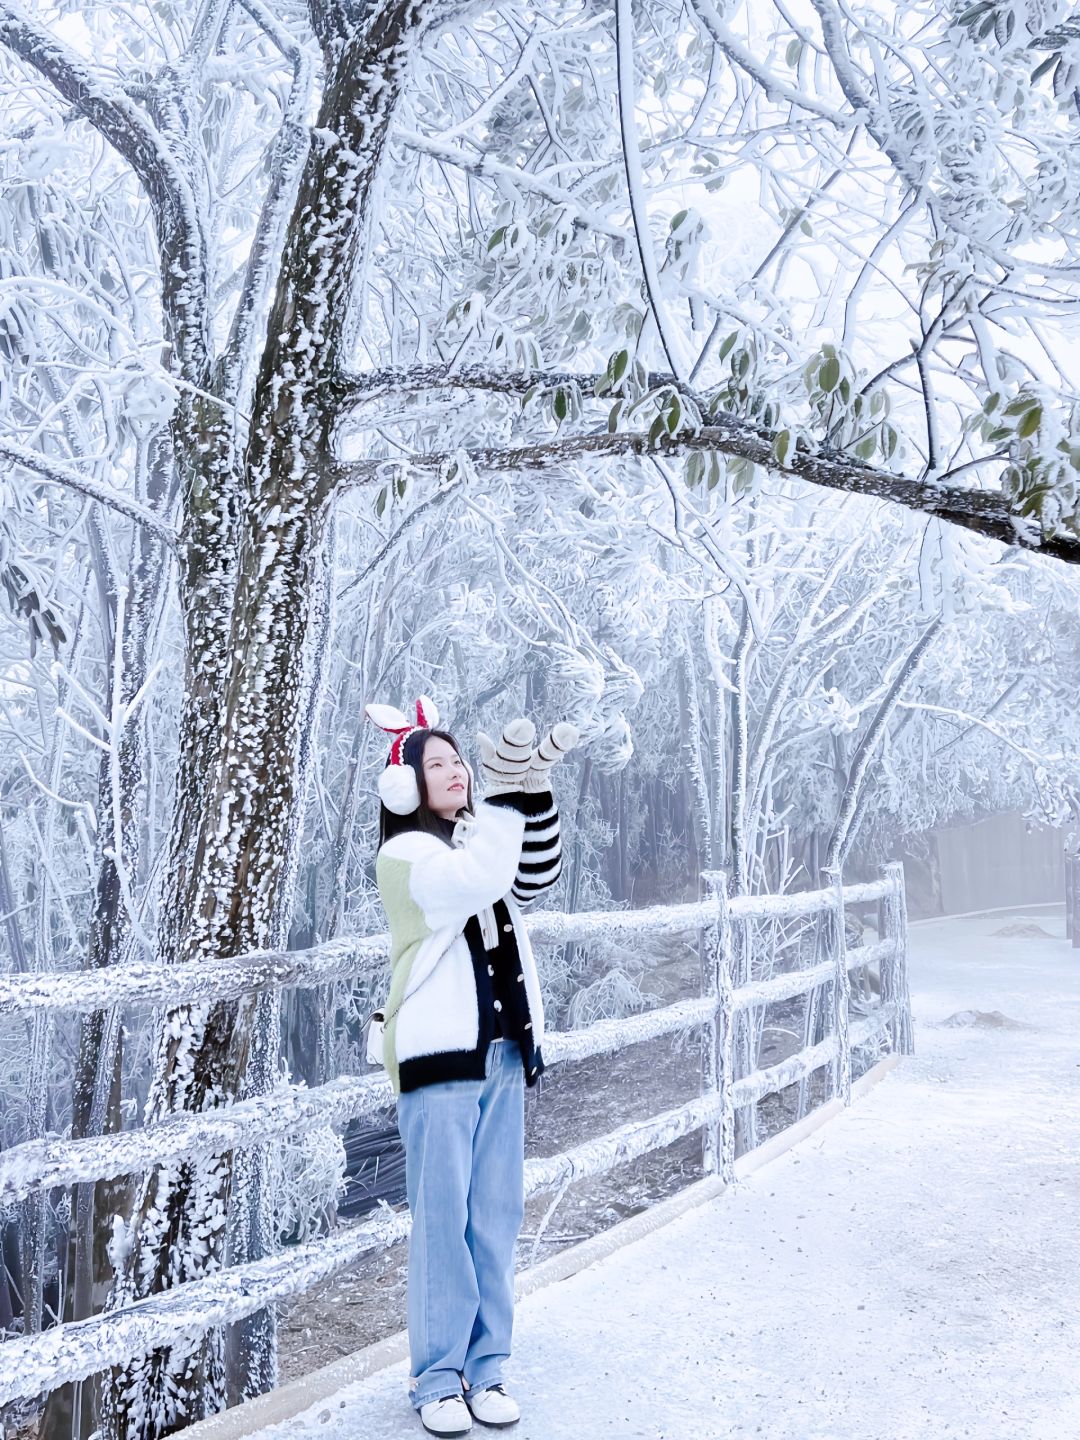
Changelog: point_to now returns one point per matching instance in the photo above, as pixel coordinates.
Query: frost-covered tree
(433, 258)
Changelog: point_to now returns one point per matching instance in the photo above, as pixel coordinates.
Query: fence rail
(204, 982)
(74, 1351)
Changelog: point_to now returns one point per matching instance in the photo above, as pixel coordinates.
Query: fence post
(841, 990)
(718, 1035)
(894, 976)
(742, 973)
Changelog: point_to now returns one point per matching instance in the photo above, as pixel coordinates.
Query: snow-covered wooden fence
(35, 1364)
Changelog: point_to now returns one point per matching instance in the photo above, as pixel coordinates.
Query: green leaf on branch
(782, 447)
(1020, 406)
(1041, 70)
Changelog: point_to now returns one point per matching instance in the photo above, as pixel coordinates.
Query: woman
(462, 1035)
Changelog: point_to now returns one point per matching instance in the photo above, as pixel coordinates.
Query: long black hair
(412, 753)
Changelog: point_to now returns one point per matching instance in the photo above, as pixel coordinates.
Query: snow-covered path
(911, 1270)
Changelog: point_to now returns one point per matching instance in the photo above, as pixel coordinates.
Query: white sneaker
(446, 1417)
(493, 1406)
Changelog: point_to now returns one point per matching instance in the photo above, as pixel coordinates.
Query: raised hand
(505, 765)
(554, 747)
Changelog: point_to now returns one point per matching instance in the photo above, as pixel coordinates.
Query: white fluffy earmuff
(398, 789)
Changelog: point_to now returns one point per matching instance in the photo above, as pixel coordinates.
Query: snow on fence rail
(207, 981)
(69, 1352)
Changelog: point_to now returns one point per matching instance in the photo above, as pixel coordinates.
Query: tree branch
(876, 116)
(54, 473)
(485, 168)
(409, 379)
(411, 520)
(118, 119)
(985, 512)
(854, 801)
(776, 90)
(635, 183)
(285, 163)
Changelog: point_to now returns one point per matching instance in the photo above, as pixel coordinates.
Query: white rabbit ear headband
(398, 789)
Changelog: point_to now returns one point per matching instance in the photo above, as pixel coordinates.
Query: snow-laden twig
(850, 807)
(981, 722)
(285, 161)
(54, 472)
(484, 167)
(635, 183)
(82, 806)
(118, 118)
(771, 85)
(119, 717)
(546, 1220)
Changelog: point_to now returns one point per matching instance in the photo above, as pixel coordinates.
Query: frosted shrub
(612, 997)
(306, 1173)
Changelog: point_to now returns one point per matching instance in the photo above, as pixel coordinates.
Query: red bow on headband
(396, 723)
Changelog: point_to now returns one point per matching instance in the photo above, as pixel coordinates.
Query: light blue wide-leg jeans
(464, 1172)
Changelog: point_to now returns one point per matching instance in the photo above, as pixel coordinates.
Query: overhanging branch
(414, 379)
(985, 512)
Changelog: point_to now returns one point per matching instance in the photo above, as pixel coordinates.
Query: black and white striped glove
(512, 765)
(505, 765)
(554, 747)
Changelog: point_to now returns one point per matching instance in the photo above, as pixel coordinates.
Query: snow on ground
(911, 1270)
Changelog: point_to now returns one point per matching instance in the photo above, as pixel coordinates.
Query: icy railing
(69, 1352)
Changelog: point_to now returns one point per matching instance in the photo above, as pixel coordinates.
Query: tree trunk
(243, 728)
(253, 1342)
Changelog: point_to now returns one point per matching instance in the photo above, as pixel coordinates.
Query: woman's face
(445, 777)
